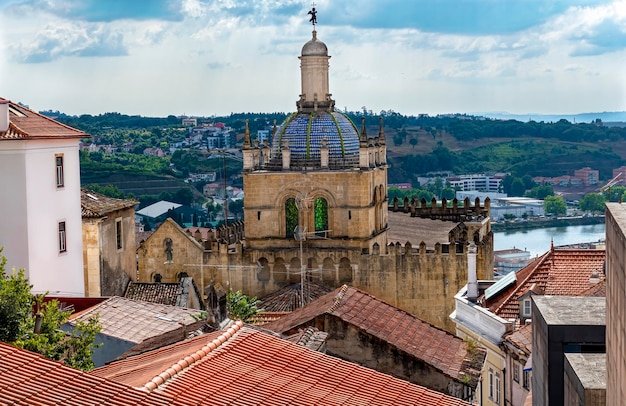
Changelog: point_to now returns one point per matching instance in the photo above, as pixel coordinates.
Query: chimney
(4, 115)
(472, 281)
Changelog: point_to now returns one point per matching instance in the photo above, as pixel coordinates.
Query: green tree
(242, 307)
(593, 202)
(41, 332)
(413, 142)
(540, 192)
(448, 193)
(518, 187)
(555, 205)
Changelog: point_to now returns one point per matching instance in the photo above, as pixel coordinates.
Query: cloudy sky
(204, 57)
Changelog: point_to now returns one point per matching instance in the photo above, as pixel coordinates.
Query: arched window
(291, 217)
(321, 216)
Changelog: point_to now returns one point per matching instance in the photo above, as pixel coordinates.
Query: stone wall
(419, 280)
(108, 269)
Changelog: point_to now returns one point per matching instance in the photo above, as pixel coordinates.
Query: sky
(216, 57)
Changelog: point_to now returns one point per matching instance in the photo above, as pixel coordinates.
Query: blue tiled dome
(305, 132)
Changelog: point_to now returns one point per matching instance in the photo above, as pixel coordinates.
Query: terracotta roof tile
(163, 293)
(252, 367)
(30, 379)
(289, 298)
(27, 124)
(95, 205)
(559, 272)
(400, 329)
(522, 338)
(597, 290)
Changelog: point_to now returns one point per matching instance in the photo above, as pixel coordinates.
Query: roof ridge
(191, 359)
(338, 298)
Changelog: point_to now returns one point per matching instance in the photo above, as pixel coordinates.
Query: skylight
(499, 286)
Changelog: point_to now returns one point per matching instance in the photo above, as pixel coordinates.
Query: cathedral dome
(314, 47)
(305, 133)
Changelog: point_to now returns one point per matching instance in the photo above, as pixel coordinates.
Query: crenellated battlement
(455, 212)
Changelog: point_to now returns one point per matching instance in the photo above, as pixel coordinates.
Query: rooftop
(31, 379)
(589, 368)
(289, 298)
(25, 124)
(400, 329)
(96, 205)
(135, 321)
(522, 338)
(245, 366)
(403, 228)
(574, 311)
(557, 272)
(157, 209)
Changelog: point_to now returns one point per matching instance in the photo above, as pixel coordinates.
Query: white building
(40, 212)
(479, 182)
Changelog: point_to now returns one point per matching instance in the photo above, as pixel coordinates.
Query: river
(537, 240)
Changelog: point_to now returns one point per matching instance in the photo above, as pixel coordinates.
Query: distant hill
(605, 116)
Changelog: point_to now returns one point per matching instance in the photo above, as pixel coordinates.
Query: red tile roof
(400, 329)
(246, 366)
(557, 272)
(30, 379)
(597, 290)
(27, 124)
(289, 298)
(522, 338)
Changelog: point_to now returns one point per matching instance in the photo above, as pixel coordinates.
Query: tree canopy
(555, 205)
(40, 331)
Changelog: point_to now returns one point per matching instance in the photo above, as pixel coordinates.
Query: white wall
(41, 207)
(13, 224)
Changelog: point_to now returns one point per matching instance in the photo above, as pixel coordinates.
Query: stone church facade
(316, 209)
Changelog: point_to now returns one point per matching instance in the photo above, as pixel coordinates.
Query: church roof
(306, 132)
(314, 47)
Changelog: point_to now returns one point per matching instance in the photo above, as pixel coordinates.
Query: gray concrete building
(563, 325)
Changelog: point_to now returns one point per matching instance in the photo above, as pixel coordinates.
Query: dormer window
(526, 311)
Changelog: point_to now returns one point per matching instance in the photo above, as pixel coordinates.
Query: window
(62, 237)
(118, 233)
(527, 379)
(515, 371)
(291, 217)
(321, 217)
(497, 389)
(491, 391)
(59, 166)
(527, 311)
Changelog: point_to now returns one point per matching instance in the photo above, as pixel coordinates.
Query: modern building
(564, 325)
(615, 304)
(588, 176)
(40, 215)
(478, 182)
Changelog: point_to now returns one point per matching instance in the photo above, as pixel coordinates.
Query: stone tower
(321, 179)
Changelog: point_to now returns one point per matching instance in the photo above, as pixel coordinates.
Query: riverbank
(557, 222)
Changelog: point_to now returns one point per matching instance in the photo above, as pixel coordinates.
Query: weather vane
(313, 14)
